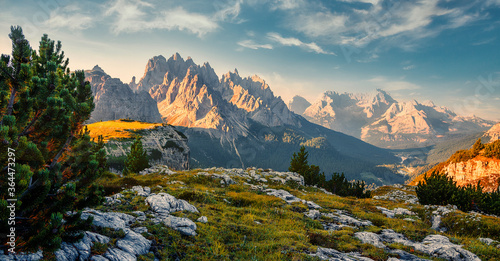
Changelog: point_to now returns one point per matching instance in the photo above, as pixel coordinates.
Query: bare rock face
(115, 100)
(253, 95)
(486, 170)
(163, 144)
(378, 119)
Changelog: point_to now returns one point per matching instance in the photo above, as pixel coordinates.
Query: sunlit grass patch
(118, 129)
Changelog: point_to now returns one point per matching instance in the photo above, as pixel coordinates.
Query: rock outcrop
(115, 100)
(164, 145)
(486, 170)
(380, 120)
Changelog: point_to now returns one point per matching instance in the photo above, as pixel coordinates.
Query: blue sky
(441, 50)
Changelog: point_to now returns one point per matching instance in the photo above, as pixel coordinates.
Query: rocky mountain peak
(115, 100)
(97, 68)
(494, 133)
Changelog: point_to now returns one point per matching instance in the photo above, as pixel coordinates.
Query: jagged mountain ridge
(192, 96)
(382, 121)
(236, 121)
(115, 100)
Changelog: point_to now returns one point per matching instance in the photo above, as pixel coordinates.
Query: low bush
(438, 189)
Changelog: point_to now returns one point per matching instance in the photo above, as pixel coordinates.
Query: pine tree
(311, 173)
(43, 107)
(299, 162)
(477, 147)
(137, 159)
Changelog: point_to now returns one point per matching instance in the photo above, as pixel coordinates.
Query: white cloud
(399, 23)
(287, 4)
(131, 16)
(320, 23)
(229, 12)
(70, 17)
(252, 45)
(311, 47)
(409, 67)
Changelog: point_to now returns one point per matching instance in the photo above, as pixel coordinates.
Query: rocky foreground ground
(150, 223)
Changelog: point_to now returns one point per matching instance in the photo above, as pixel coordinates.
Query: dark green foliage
(492, 150)
(437, 189)
(137, 159)
(300, 165)
(43, 107)
(489, 150)
(338, 184)
(477, 147)
(155, 154)
(173, 144)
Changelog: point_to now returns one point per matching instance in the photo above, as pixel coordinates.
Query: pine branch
(25, 130)
(54, 161)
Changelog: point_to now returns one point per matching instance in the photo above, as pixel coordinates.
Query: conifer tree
(42, 110)
(311, 173)
(137, 159)
(477, 147)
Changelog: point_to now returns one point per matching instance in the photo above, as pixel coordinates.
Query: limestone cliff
(482, 169)
(115, 100)
(164, 145)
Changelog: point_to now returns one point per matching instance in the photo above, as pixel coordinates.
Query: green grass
(244, 224)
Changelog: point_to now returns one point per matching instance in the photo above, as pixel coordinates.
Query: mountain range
(236, 121)
(380, 120)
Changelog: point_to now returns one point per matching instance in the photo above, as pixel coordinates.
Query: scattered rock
(433, 245)
(394, 212)
(184, 225)
(370, 238)
(344, 219)
(134, 243)
(115, 199)
(114, 220)
(161, 169)
(140, 230)
(116, 254)
(332, 254)
(313, 214)
(399, 195)
(142, 191)
(487, 241)
(202, 219)
(165, 204)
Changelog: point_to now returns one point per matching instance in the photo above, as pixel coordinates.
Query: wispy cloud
(229, 12)
(389, 85)
(409, 67)
(483, 42)
(399, 23)
(290, 41)
(252, 45)
(287, 4)
(70, 17)
(133, 16)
